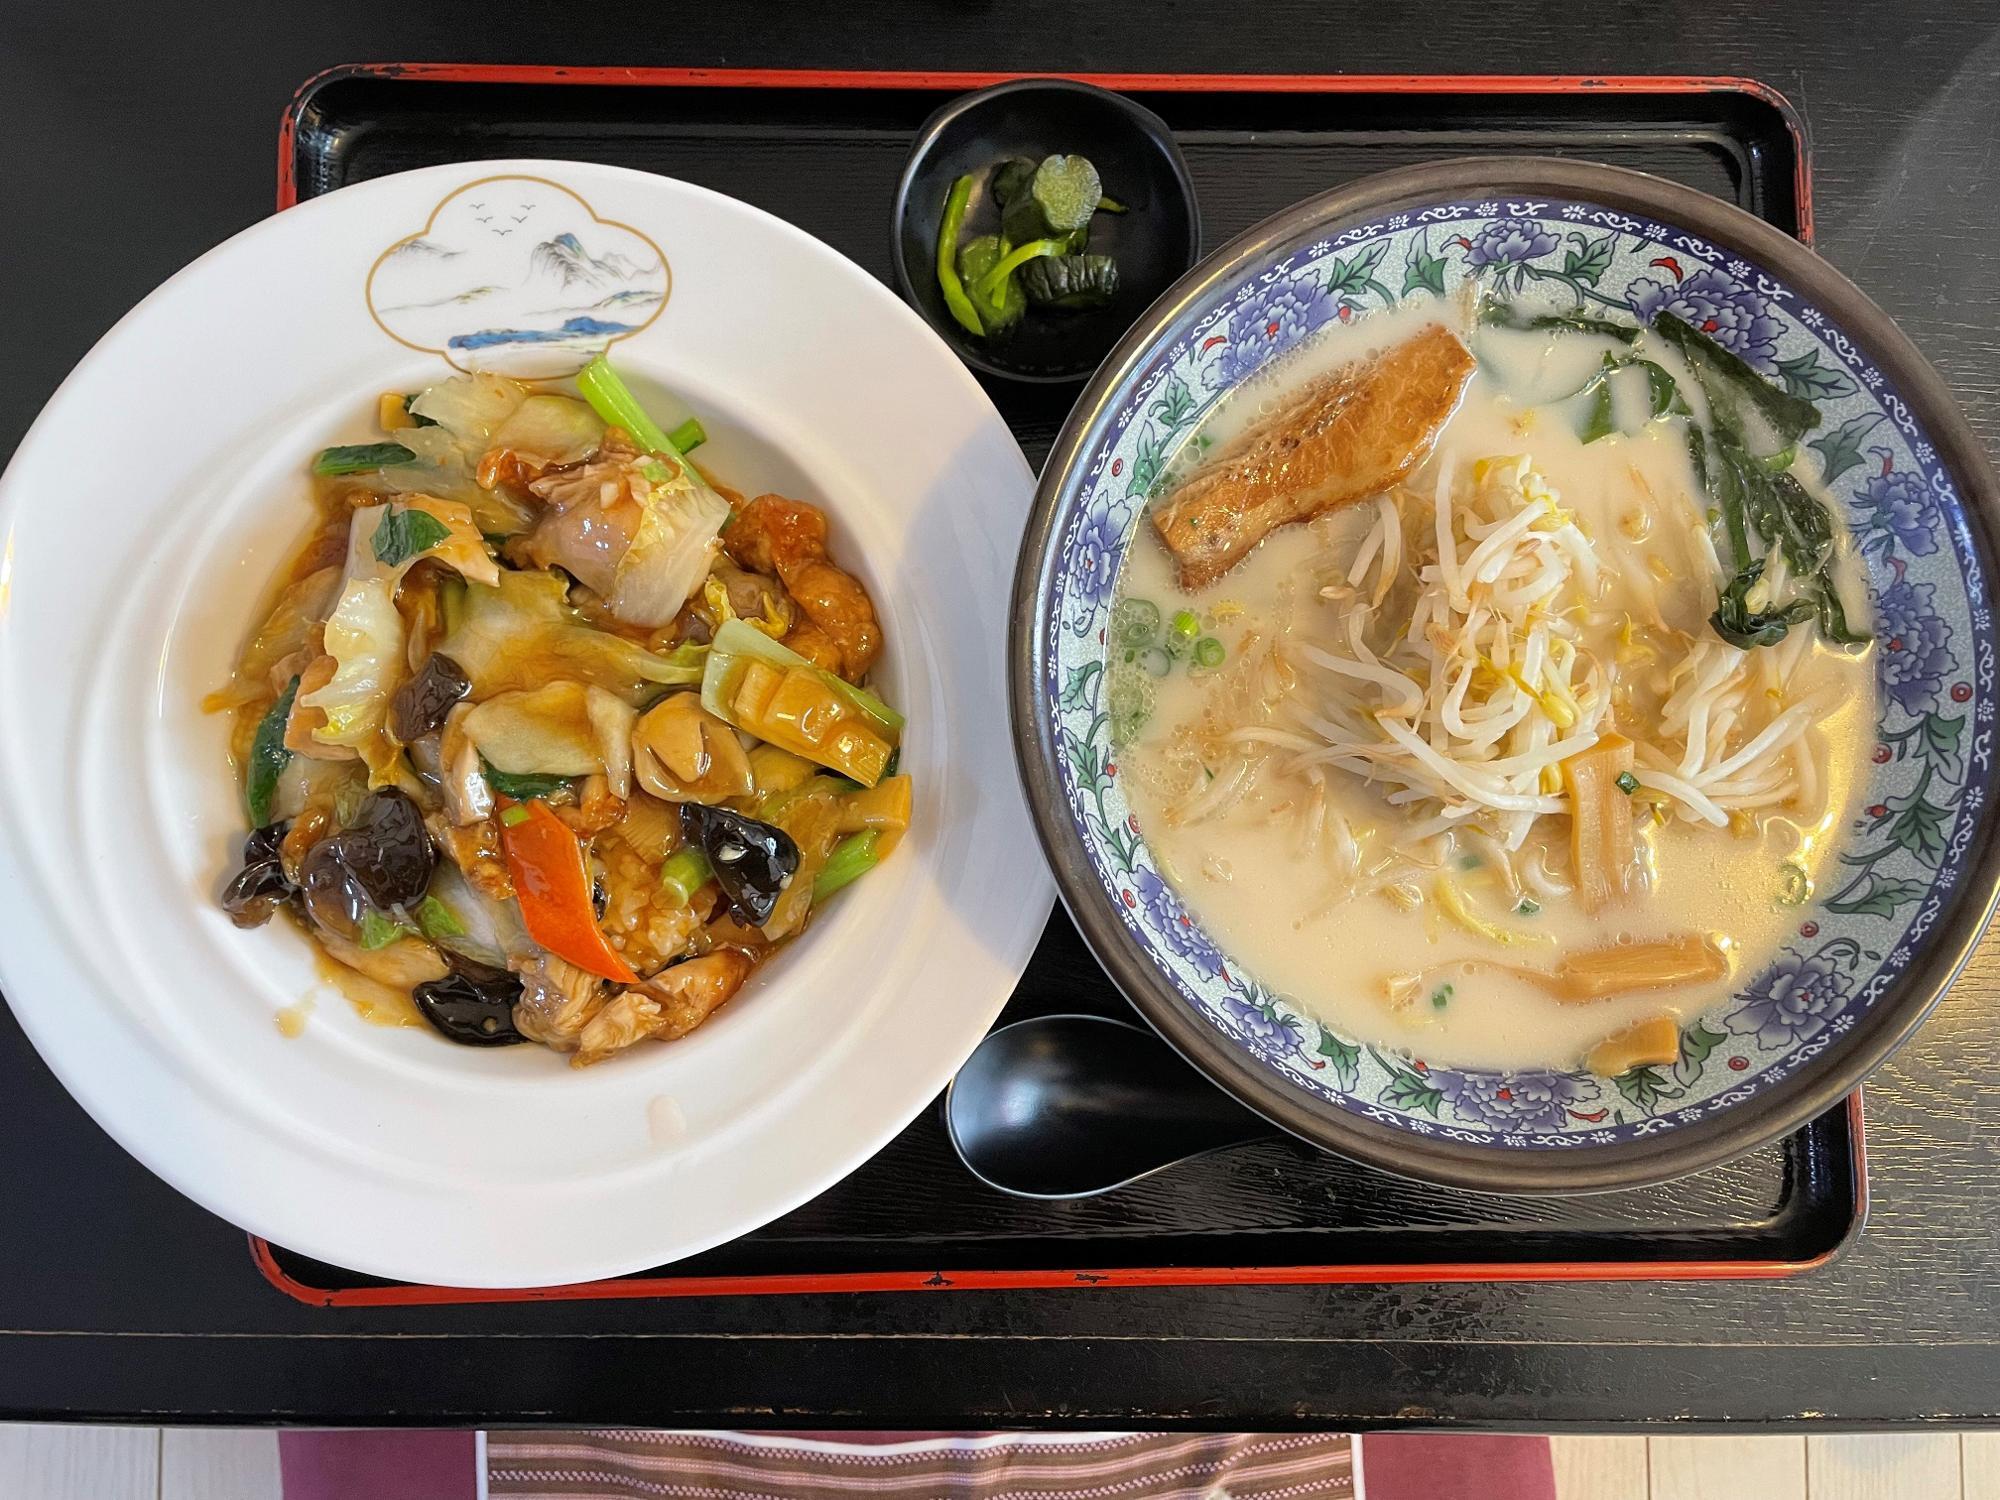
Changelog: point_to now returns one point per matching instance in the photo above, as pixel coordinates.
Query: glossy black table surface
(132, 139)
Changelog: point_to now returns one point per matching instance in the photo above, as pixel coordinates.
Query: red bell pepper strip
(552, 884)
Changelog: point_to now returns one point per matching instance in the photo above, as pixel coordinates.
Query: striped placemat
(612, 1465)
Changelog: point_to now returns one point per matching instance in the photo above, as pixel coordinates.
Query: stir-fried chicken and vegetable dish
(548, 730)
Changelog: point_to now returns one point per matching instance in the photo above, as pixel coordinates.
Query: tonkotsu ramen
(1494, 684)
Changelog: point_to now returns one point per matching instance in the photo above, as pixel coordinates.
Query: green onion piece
(947, 258)
(360, 458)
(1795, 886)
(438, 921)
(1013, 260)
(377, 931)
(514, 816)
(1106, 204)
(688, 436)
(1209, 652)
(686, 871)
(268, 756)
(853, 857)
(1441, 997)
(1626, 783)
(1527, 906)
(1187, 624)
(613, 400)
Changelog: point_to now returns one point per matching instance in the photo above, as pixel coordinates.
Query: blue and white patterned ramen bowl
(1915, 881)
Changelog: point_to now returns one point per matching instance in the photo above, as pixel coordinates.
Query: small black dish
(1155, 240)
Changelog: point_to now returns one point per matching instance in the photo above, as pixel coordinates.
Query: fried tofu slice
(1348, 435)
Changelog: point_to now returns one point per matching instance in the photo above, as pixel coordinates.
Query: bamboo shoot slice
(1600, 820)
(1649, 1043)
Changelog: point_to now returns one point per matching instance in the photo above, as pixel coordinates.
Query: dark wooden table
(134, 137)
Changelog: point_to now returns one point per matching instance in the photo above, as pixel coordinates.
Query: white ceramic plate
(139, 525)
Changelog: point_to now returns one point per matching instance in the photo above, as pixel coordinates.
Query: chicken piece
(689, 993)
(788, 538)
(814, 644)
(668, 1006)
(772, 534)
(836, 604)
(629, 1016)
(1347, 435)
(558, 1000)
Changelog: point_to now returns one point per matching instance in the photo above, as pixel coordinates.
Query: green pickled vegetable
(1004, 308)
(268, 756)
(947, 258)
(1011, 178)
(1070, 281)
(361, 458)
(988, 286)
(1066, 188)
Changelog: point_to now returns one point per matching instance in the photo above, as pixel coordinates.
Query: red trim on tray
(1131, 1276)
(1128, 1276)
(1192, 83)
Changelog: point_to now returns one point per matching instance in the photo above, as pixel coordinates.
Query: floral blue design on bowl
(1906, 851)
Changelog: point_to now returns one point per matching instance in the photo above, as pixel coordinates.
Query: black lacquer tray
(824, 150)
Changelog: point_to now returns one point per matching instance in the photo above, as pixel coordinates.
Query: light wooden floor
(148, 1463)
(1933, 1466)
